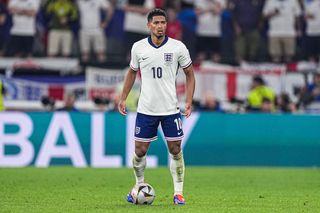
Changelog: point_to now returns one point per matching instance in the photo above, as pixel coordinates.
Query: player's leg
(145, 132)
(172, 128)
(139, 160)
(177, 169)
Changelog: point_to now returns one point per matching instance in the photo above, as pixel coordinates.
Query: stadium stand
(37, 74)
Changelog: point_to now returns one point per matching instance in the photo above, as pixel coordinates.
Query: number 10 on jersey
(157, 72)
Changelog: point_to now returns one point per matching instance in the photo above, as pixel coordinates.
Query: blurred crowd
(226, 31)
(260, 99)
(221, 31)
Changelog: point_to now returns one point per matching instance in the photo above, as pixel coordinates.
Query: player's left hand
(122, 107)
(188, 110)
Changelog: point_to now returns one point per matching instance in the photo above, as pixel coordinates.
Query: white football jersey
(159, 67)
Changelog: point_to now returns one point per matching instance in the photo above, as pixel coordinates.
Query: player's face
(158, 26)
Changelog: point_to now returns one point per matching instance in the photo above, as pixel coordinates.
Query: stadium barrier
(106, 140)
(223, 81)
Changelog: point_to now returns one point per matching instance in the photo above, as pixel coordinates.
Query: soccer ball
(143, 194)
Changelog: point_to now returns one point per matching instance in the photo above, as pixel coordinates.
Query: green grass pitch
(207, 189)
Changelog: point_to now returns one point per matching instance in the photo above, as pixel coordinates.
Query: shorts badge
(137, 130)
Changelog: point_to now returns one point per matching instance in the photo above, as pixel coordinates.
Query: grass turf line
(207, 189)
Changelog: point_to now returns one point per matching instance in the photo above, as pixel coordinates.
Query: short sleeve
(134, 62)
(184, 57)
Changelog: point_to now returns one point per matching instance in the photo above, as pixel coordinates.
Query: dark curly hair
(157, 12)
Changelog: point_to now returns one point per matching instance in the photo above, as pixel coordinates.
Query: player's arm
(191, 82)
(128, 83)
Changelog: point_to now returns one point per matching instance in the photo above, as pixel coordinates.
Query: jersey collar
(163, 43)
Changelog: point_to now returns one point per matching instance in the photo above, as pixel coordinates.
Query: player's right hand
(122, 107)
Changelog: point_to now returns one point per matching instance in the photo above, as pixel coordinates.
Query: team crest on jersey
(168, 58)
(137, 130)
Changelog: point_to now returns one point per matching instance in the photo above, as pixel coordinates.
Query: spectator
(227, 37)
(92, 27)
(170, 4)
(309, 95)
(283, 16)
(259, 94)
(40, 43)
(313, 89)
(188, 18)
(174, 27)
(62, 13)
(69, 101)
(135, 21)
(48, 103)
(3, 19)
(312, 16)
(160, 3)
(209, 29)
(210, 104)
(23, 27)
(115, 35)
(284, 104)
(101, 103)
(267, 105)
(247, 20)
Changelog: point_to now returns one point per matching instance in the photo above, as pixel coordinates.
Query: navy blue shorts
(147, 127)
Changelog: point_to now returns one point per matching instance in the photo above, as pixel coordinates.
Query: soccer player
(158, 58)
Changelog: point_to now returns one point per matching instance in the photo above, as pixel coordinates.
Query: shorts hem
(146, 139)
(174, 138)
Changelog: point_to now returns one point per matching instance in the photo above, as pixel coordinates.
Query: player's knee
(174, 150)
(141, 151)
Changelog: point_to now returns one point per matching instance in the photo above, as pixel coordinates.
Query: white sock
(177, 172)
(139, 164)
